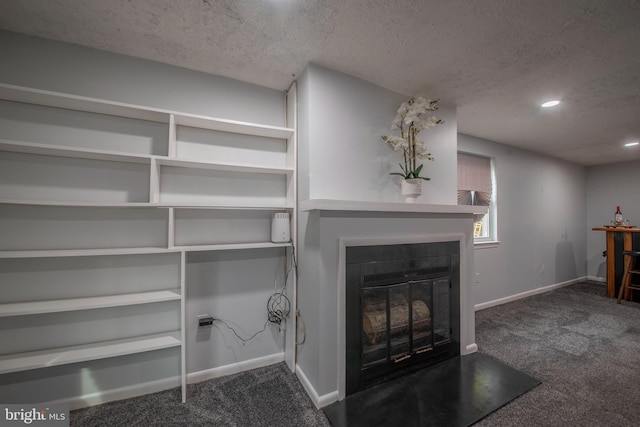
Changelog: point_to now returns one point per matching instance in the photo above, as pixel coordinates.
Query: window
(476, 187)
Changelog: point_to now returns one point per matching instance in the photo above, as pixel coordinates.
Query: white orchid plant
(412, 118)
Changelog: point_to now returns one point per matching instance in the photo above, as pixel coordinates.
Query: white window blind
(474, 180)
(475, 187)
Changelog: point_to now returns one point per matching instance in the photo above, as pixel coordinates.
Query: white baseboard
(127, 392)
(526, 294)
(597, 279)
(471, 348)
(318, 401)
(328, 399)
(234, 368)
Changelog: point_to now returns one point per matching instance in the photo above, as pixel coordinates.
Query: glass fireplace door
(392, 332)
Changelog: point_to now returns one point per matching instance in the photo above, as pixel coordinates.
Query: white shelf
(73, 304)
(81, 353)
(227, 167)
(359, 206)
(233, 246)
(144, 205)
(264, 182)
(57, 203)
(60, 253)
(72, 152)
(57, 253)
(80, 103)
(115, 156)
(228, 207)
(212, 123)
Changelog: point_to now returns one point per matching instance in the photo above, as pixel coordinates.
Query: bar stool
(629, 269)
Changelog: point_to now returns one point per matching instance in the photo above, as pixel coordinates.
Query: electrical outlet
(205, 321)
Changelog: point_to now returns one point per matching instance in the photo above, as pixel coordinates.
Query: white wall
(542, 218)
(341, 149)
(235, 286)
(319, 292)
(342, 156)
(218, 284)
(609, 186)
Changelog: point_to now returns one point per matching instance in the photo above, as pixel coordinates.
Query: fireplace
(402, 310)
(326, 230)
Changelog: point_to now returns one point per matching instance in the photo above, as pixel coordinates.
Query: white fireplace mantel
(326, 228)
(362, 206)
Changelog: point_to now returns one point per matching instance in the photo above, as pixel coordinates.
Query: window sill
(486, 244)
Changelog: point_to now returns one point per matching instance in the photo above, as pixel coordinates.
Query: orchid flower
(411, 118)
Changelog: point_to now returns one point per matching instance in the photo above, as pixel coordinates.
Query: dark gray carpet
(270, 396)
(582, 346)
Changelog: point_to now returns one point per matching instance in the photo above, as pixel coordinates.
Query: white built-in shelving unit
(123, 192)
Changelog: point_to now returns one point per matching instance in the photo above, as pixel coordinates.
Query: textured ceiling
(496, 60)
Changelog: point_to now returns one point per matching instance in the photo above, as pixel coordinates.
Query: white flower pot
(411, 189)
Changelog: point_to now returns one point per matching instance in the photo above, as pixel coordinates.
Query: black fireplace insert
(403, 310)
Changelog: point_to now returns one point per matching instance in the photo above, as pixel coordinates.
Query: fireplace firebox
(402, 310)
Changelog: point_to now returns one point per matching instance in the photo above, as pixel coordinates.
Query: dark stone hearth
(457, 392)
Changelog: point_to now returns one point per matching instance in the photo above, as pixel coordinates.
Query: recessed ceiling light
(631, 144)
(551, 103)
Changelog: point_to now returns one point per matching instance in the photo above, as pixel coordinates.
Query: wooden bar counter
(627, 233)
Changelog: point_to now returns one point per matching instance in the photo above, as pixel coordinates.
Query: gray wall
(609, 186)
(219, 284)
(542, 218)
(546, 207)
(341, 156)
(61, 67)
(341, 150)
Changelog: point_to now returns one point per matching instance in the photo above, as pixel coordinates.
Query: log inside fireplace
(402, 310)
